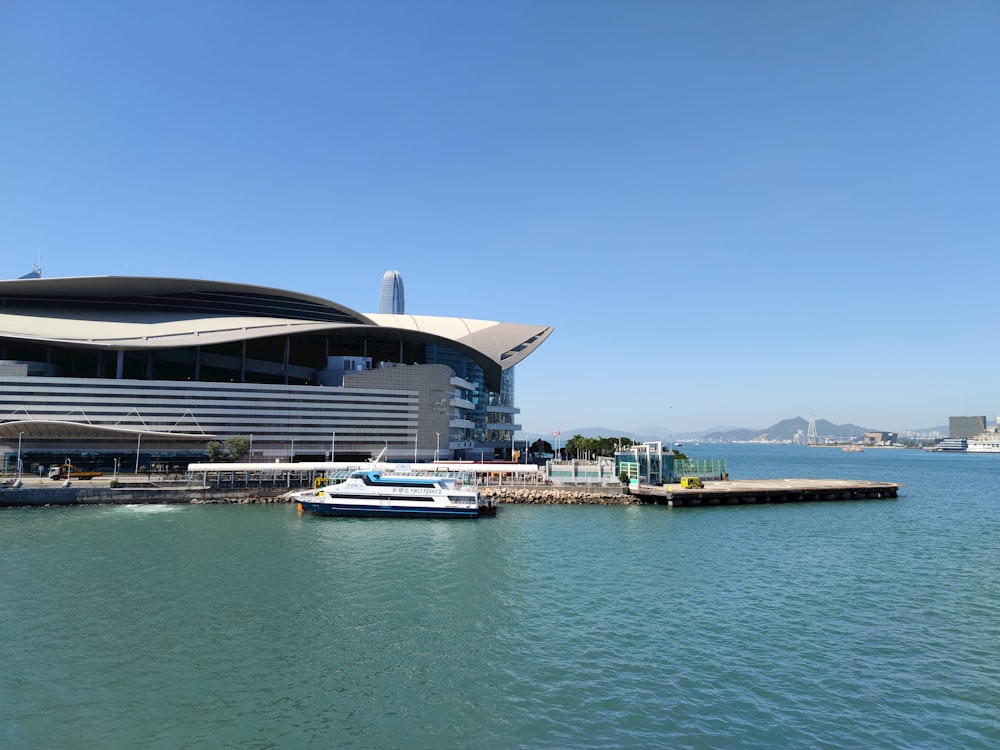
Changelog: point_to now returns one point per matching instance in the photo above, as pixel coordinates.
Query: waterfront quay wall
(714, 493)
(54, 496)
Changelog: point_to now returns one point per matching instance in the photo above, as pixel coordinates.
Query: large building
(391, 299)
(110, 371)
(966, 427)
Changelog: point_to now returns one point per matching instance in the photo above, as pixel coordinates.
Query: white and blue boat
(371, 494)
(950, 445)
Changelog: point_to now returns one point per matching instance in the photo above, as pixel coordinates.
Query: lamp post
(415, 436)
(250, 452)
(333, 447)
(437, 451)
(19, 453)
(291, 457)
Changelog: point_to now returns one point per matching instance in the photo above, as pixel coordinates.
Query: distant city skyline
(661, 432)
(728, 212)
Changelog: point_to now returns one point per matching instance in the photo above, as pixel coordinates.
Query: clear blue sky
(731, 212)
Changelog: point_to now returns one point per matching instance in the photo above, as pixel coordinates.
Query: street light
(415, 436)
(292, 453)
(19, 453)
(437, 451)
(333, 447)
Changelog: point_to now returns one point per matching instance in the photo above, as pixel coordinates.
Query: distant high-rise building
(391, 299)
(966, 427)
(36, 272)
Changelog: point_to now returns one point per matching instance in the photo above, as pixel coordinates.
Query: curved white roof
(108, 312)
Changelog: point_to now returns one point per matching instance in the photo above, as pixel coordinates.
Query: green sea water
(827, 625)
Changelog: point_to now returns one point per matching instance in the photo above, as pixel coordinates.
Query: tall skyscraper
(391, 299)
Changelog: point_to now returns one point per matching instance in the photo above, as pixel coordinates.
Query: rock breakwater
(559, 496)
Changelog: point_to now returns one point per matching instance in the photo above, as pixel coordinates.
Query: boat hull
(356, 510)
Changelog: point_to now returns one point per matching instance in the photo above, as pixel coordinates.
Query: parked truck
(68, 471)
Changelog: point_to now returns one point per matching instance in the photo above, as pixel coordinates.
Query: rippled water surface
(828, 625)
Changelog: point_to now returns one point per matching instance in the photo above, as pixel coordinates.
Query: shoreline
(728, 492)
(39, 496)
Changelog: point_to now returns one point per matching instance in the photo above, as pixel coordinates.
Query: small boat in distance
(368, 493)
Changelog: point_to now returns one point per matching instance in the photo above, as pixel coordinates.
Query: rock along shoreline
(533, 495)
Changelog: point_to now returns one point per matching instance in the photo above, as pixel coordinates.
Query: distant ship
(986, 442)
(949, 445)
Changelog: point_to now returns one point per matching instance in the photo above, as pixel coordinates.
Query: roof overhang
(116, 287)
(60, 429)
(493, 345)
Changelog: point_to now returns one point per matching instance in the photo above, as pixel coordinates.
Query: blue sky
(730, 212)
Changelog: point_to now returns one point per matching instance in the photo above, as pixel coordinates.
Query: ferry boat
(371, 494)
(985, 442)
(949, 445)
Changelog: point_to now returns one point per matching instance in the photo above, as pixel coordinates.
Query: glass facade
(493, 412)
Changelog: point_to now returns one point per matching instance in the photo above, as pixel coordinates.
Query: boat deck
(753, 491)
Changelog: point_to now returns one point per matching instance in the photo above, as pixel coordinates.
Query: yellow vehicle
(68, 471)
(692, 483)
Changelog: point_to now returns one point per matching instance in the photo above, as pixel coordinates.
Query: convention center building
(119, 373)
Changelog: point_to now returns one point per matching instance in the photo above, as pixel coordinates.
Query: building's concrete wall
(435, 391)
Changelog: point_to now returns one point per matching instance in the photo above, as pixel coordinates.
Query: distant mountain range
(786, 429)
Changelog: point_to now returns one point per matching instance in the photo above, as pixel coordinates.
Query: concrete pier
(753, 491)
